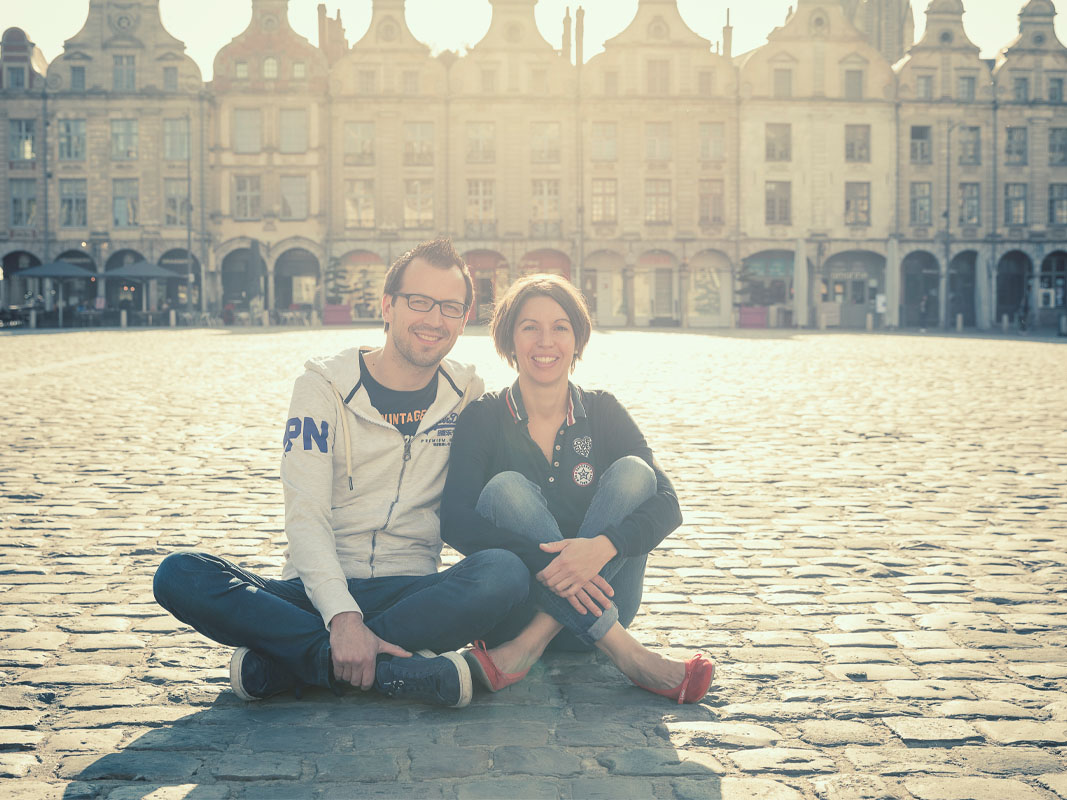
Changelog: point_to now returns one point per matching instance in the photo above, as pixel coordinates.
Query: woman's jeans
(510, 500)
(442, 611)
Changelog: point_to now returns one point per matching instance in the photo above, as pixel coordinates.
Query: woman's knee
(507, 493)
(631, 476)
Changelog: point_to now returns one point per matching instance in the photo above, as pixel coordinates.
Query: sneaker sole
(236, 660)
(466, 685)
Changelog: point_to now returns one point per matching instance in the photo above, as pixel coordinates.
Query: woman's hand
(593, 597)
(577, 562)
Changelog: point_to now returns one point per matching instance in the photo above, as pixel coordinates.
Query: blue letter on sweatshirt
(292, 430)
(312, 432)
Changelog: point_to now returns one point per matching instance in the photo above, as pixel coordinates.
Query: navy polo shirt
(492, 437)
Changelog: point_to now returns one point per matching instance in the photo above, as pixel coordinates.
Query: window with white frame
(481, 207)
(293, 123)
(16, 78)
(481, 142)
(418, 144)
(1016, 146)
(247, 130)
(605, 201)
(658, 77)
(23, 202)
(123, 139)
(604, 141)
(1057, 147)
(544, 142)
(545, 219)
(176, 139)
(712, 141)
(418, 203)
(920, 203)
(712, 201)
(21, 140)
(246, 197)
(658, 141)
(359, 138)
(924, 87)
(966, 88)
(1020, 89)
(73, 203)
(778, 207)
(857, 203)
(300, 70)
(970, 145)
(922, 144)
(970, 204)
(240, 70)
(123, 74)
(77, 79)
(657, 201)
(778, 139)
(293, 190)
(270, 68)
(71, 144)
(1055, 90)
(359, 203)
(1057, 204)
(858, 143)
(175, 202)
(124, 202)
(1015, 203)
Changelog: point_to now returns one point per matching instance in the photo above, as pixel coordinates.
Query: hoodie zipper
(392, 505)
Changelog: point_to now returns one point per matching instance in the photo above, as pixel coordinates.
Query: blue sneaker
(253, 677)
(443, 680)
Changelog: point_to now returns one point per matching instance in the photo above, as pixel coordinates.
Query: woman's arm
(469, 470)
(648, 525)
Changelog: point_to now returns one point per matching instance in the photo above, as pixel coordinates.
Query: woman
(563, 478)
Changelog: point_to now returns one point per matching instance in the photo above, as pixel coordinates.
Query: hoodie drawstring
(344, 431)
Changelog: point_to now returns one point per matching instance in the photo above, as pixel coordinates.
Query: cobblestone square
(874, 553)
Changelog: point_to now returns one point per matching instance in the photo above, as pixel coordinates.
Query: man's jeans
(442, 611)
(510, 500)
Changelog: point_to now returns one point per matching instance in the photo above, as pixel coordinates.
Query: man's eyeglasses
(422, 304)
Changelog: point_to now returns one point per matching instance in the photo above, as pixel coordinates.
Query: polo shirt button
(551, 479)
(557, 447)
(555, 463)
(561, 431)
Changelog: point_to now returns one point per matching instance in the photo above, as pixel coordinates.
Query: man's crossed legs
(283, 644)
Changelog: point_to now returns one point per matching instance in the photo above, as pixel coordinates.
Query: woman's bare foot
(512, 657)
(653, 670)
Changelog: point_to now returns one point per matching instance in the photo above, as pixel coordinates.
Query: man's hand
(355, 648)
(594, 596)
(577, 562)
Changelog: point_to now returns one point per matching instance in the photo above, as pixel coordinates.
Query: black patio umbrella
(57, 270)
(144, 271)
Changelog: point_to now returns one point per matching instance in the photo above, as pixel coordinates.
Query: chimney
(728, 37)
(567, 34)
(322, 26)
(579, 28)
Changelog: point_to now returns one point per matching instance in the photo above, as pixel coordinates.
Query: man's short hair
(439, 253)
(506, 312)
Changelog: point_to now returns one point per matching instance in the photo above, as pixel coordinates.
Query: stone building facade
(839, 175)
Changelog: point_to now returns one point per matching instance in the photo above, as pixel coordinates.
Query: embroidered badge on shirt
(583, 473)
(583, 445)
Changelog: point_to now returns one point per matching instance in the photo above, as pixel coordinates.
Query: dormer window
(240, 70)
(924, 87)
(1020, 89)
(270, 68)
(77, 79)
(300, 70)
(16, 78)
(170, 79)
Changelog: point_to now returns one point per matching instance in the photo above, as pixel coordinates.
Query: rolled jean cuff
(587, 628)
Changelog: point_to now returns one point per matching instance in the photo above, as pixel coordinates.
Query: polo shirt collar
(575, 407)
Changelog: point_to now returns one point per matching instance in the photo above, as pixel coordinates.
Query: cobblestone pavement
(874, 553)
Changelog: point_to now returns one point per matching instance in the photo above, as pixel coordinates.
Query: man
(365, 452)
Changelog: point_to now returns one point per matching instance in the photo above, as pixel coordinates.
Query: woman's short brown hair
(506, 312)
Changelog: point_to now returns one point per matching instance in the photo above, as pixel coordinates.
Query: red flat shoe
(698, 674)
(483, 668)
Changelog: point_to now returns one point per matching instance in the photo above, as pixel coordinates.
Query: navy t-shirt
(404, 410)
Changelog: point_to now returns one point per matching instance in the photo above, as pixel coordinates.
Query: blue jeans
(441, 611)
(510, 500)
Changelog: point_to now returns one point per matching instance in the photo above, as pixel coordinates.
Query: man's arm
(311, 432)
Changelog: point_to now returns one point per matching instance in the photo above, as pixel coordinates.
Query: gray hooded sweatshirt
(362, 501)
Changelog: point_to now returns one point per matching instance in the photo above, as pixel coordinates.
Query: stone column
(892, 284)
(683, 292)
(983, 283)
(801, 290)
